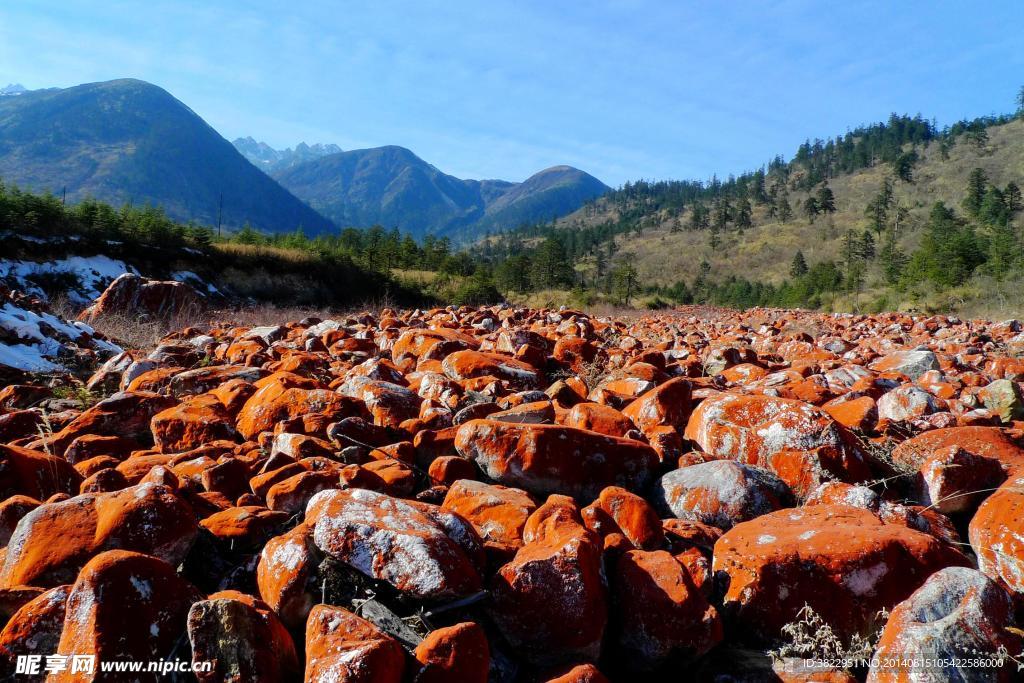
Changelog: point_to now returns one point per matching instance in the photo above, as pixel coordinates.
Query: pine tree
(811, 209)
(993, 209)
(826, 200)
(1012, 196)
(867, 246)
(904, 166)
(785, 210)
(876, 212)
(977, 183)
(893, 258)
(1003, 249)
(743, 215)
(799, 266)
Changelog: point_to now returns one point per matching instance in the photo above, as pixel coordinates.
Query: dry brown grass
(290, 255)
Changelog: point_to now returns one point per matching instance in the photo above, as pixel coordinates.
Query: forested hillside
(896, 214)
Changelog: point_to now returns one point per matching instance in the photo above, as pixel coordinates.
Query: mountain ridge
(271, 160)
(392, 186)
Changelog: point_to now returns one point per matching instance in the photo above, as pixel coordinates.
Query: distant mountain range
(271, 160)
(391, 186)
(130, 141)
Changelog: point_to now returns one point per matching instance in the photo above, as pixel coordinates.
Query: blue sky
(624, 89)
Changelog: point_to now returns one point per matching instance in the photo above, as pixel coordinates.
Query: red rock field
(505, 494)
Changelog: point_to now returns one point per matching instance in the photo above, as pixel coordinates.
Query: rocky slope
(512, 494)
(393, 187)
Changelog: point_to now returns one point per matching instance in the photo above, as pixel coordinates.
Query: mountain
(12, 89)
(130, 141)
(271, 160)
(392, 187)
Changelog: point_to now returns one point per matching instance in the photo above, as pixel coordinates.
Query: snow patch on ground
(34, 341)
(94, 273)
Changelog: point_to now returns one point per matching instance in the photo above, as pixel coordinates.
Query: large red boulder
(658, 612)
(618, 511)
(35, 628)
(498, 513)
(53, 541)
(192, 423)
(455, 653)
(135, 297)
(145, 621)
(987, 442)
(667, 405)
(286, 575)
(550, 602)
(464, 365)
(799, 442)
(344, 648)
(996, 533)
(843, 561)
(35, 474)
(546, 459)
(126, 414)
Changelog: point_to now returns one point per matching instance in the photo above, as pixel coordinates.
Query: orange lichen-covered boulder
(344, 648)
(721, 493)
(54, 540)
(145, 621)
(454, 653)
(35, 628)
(597, 417)
(996, 533)
(418, 548)
(389, 404)
(658, 612)
(617, 510)
(421, 344)
(550, 602)
(545, 459)
(35, 474)
(463, 365)
(578, 673)
(286, 575)
(842, 561)
(133, 295)
(191, 424)
(498, 513)
(242, 637)
(955, 480)
(276, 402)
(667, 405)
(799, 442)
(988, 442)
(956, 619)
(125, 414)
(246, 525)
